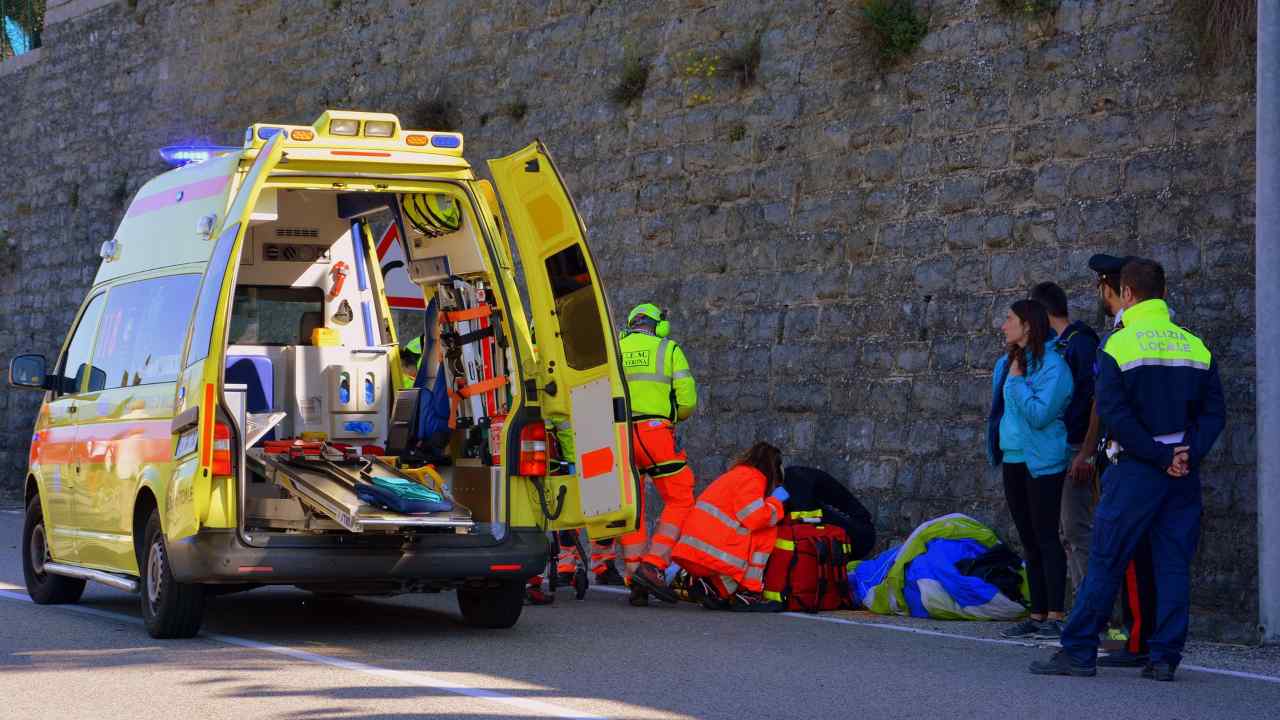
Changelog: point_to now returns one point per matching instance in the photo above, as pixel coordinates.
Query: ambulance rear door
(203, 488)
(579, 376)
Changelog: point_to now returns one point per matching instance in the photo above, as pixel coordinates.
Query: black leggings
(1036, 504)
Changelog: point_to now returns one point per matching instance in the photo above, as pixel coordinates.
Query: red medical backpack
(807, 568)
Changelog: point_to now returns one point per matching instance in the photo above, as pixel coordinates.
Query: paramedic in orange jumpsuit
(727, 537)
(662, 390)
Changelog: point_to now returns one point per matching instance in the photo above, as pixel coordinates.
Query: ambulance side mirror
(29, 371)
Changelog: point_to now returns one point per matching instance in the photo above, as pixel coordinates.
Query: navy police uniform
(1157, 388)
(1138, 588)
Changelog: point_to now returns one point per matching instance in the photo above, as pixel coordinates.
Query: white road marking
(407, 677)
(993, 641)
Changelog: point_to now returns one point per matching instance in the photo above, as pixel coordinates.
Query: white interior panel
(300, 249)
(593, 430)
(461, 247)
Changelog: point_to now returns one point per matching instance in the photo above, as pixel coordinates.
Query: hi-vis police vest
(1158, 387)
(658, 377)
(1149, 338)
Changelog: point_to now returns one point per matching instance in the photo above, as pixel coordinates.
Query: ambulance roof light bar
(179, 155)
(352, 129)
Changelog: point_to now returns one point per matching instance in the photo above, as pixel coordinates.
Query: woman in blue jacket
(1031, 388)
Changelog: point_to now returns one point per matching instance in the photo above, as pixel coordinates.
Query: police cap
(1107, 265)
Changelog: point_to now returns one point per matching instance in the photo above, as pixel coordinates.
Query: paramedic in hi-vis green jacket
(663, 393)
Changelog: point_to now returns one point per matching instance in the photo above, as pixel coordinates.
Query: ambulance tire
(44, 588)
(492, 607)
(170, 609)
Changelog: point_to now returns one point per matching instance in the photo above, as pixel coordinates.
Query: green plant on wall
(631, 85)
(1028, 7)
(1225, 30)
(896, 26)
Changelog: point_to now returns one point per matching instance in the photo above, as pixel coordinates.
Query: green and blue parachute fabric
(920, 578)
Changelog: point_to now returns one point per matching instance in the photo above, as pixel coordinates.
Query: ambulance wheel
(492, 607)
(170, 609)
(44, 588)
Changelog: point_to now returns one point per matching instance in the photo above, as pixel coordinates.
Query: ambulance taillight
(533, 450)
(221, 450)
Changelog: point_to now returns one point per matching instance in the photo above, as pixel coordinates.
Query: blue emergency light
(179, 155)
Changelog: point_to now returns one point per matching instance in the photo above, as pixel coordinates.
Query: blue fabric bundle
(402, 496)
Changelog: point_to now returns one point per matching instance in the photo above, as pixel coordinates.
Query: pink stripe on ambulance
(193, 191)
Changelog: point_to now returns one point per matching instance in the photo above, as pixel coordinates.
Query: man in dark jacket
(1078, 344)
(812, 491)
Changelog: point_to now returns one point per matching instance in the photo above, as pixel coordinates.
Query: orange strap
(483, 386)
(466, 391)
(475, 313)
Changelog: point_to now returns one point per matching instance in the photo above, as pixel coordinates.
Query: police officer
(662, 393)
(1160, 397)
(1138, 590)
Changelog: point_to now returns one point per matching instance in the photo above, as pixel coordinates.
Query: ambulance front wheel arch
(44, 588)
(170, 609)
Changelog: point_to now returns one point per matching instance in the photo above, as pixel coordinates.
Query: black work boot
(1159, 670)
(651, 578)
(1062, 664)
(609, 576)
(1122, 658)
(639, 596)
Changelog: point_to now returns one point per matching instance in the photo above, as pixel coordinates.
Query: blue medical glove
(781, 494)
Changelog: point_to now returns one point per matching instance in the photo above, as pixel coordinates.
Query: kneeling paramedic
(662, 393)
(726, 540)
(1159, 394)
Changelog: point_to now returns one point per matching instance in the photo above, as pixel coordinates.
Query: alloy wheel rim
(155, 566)
(39, 550)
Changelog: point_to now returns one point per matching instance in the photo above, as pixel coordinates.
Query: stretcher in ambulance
(230, 409)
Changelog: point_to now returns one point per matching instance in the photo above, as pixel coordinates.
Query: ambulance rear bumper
(221, 557)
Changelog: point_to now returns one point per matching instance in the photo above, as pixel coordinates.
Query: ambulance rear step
(329, 489)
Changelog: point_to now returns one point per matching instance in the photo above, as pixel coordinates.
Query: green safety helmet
(654, 313)
(432, 214)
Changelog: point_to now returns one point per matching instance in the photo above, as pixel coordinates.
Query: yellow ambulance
(230, 409)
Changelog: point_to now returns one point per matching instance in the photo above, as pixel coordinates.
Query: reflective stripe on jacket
(1157, 379)
(658, 377)
(732, 527)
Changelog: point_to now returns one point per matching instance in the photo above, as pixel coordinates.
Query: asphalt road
(279, 654)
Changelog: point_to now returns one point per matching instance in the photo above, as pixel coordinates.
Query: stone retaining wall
(837, 241)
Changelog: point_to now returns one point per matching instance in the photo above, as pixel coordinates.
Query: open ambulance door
(579, 375)
(203, 488)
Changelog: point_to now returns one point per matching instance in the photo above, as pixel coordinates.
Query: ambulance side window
(75, 363)
(577, 309)
(143, 327)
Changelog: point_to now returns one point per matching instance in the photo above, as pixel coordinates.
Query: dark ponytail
(1033, 314)
(767, 459)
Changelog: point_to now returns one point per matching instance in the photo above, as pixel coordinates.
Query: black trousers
(1036, 506)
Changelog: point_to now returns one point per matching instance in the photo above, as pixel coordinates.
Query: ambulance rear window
(273, 315)
(577, 309)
